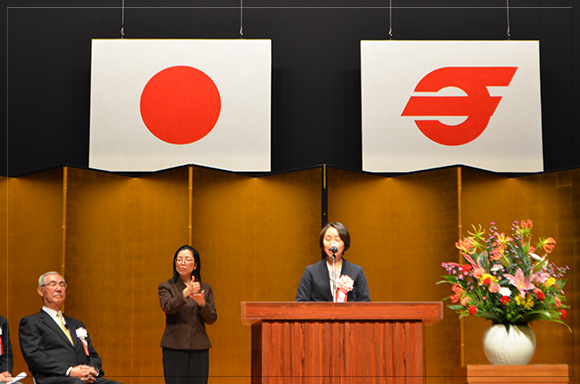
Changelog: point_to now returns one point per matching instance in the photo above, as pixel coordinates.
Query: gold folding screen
(34, 226)
(551, 201)
(255, 237)
(114, 238)
(402, 229)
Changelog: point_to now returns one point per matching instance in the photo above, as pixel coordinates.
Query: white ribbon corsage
(343, 286)
(83, 334)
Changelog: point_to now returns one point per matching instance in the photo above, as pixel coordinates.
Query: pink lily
(521, 282)
(540, 277)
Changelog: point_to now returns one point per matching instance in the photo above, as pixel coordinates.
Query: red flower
(465, 268)
(539, 293)
(505, 300)
(564, 314)
(487, 280)
(473, 310)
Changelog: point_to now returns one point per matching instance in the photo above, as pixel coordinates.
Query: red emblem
(478, 105)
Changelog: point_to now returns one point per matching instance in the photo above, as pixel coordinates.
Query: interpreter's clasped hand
(192, 288)
(199, 298)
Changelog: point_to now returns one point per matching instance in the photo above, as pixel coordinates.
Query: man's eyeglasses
(53, 284)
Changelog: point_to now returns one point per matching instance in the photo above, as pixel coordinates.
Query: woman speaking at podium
(333, 278)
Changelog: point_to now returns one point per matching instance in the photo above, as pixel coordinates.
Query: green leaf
(505, 261)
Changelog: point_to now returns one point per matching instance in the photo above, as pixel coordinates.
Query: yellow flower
(520, 300)
(551, 281)
(529, 302)
(486, 279)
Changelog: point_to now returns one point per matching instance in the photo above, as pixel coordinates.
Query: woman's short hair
(342, 232)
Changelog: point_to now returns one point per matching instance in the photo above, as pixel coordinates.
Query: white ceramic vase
(514, 347)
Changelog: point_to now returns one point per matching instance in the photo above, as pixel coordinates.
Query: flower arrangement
(505, 280)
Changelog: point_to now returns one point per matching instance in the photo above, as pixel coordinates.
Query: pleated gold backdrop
(114, 237)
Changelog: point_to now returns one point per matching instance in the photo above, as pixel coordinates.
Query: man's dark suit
(6, 358)
(49, 353)
(315, 284)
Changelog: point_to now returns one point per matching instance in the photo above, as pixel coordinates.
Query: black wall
(316, 103)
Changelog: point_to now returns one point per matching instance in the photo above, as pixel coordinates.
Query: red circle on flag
(180, 105)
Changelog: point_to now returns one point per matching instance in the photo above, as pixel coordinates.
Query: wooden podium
(512, 374)
(309, 342)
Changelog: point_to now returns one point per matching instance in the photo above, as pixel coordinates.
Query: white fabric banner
(157, 104)
(428, 104)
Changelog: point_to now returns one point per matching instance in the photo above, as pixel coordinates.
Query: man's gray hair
(41, 279)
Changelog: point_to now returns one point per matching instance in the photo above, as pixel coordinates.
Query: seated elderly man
(57, 348)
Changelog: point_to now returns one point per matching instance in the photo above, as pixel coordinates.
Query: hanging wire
(390, 19)
(508, 18)
(241, 19)
(122, 19)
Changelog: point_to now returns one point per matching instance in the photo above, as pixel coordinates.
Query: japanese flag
(157, 104)
(428, 104)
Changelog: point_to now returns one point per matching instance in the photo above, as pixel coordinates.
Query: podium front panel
(358, 343)
(337, 352)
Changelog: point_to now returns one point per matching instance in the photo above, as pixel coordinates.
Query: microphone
(333, 248)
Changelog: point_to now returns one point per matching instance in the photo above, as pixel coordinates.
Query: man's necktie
(64, 329)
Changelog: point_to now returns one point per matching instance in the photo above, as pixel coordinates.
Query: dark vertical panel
(4, 250)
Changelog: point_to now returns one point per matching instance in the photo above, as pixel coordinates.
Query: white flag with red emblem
(427, 104)
(157, 104)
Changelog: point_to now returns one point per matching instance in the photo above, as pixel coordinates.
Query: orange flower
(547, 244)
(494, 287)
(478, 272)
(502, 239)
(457, 288)
(466, 246)
(496, 253)
(525, 228)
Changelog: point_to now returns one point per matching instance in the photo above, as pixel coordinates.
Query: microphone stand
(334, 278)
